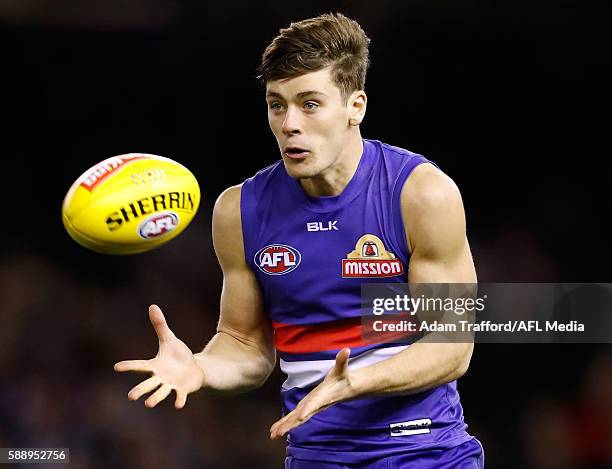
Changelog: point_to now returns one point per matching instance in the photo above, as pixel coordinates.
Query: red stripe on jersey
(334, 335)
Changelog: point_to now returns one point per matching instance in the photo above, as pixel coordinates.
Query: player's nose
(291, 123)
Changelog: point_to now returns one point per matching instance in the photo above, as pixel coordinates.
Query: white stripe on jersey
(301, 374)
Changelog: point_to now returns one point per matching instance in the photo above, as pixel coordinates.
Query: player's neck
(334, 179)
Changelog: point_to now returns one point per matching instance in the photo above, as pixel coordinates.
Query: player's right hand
(173, 368)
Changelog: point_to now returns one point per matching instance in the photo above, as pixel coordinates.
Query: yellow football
(130, 203)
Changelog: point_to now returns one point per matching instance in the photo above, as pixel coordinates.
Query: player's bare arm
(434, 221)
(240, 356)
(242, 352)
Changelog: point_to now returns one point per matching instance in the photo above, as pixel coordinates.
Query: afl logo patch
(277, 259)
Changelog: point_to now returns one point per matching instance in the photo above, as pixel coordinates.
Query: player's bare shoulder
(428, 188)
(431, 202)
(227, 226)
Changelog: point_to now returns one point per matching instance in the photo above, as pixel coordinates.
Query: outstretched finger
(158, 396)
(275, 428)
(181, 399)
(146, 386)
(133, 365)
(342, 360)
(159, 324)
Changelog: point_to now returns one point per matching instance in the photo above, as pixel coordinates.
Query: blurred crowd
(64, 322)
(64, 325)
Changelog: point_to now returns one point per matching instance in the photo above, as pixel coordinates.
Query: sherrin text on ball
(130, 203)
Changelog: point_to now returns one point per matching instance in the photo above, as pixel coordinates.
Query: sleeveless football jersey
(310, 256)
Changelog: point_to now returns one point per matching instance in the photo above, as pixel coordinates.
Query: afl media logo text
(277, 259)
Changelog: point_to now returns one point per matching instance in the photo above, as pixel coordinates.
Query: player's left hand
(336, 387)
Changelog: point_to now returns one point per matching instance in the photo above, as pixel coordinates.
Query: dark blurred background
(506, 98)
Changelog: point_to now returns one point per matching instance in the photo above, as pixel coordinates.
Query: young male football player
(295, 243)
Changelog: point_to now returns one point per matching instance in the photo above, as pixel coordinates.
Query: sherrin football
(130, 203)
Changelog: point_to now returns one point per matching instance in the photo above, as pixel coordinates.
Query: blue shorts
(468, 455)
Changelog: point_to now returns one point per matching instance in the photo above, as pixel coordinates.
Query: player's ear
(357, 103)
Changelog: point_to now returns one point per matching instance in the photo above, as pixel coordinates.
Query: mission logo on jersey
(277, 259)
(371, 259)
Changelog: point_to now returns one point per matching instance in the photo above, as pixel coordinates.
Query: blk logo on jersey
(277, 259)
(371, 259)
(320, 226)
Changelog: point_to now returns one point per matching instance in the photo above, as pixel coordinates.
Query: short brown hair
(315, 43)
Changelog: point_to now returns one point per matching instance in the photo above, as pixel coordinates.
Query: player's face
(310, 120)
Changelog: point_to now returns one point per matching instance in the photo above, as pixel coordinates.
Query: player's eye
(310, 105)
(275, 106)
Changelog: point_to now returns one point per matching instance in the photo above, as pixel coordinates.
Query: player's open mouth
(296, 153)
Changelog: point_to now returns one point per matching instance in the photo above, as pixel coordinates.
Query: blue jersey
(310, 256)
